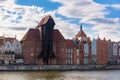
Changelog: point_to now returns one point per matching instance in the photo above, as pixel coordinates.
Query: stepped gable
(44, 20)
(57, 36)
(32, 35)
(81, 33)
(70, 43)
(11, 40)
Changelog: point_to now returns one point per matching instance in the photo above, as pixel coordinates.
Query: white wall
(115, 48)
(7, 46)
(17, 47)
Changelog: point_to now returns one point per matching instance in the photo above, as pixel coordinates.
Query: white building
(115, 51)
(17, 47)
(11, 47)
(119, 52)
(110, 50)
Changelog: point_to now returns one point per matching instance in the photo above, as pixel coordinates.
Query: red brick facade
(102, 53)
(79, 41)
(31, 43)
(69, 51)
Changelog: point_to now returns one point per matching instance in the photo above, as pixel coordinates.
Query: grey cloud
(102, 20)
(83, 3)
(18, 28)
(20, 9)
(5, 17)
(115, 32)
(2, 0)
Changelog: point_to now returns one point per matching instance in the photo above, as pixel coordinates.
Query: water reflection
(68, 75)
(43, 75)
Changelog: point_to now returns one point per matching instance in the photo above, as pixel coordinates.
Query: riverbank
(57, 67)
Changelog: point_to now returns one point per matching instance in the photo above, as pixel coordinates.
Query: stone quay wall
(57, 67)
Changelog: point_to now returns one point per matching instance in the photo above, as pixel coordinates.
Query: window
(15, 50)
(86, 48)
(77, 52)
(68, 55)
(71, 61)
(71, 50)
(0, 46)
(68, 61)
(17, 45)
(8, 46)
(18, 50)
(93, 46)
(66, 50)
(77, 61)
(71, 56)
(119, 51)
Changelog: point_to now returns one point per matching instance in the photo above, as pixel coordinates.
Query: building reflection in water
(67, 75)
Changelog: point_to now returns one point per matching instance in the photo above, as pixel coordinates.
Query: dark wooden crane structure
(47, 28)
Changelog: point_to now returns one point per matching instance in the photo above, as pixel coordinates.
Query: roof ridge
(44, 20)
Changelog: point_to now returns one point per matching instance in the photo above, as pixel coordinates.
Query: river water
(62, 75)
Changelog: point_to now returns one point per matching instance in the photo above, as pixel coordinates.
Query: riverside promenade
(57, 67)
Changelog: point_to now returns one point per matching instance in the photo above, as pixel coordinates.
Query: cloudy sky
(97, 16)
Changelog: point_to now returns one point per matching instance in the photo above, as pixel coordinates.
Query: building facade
(77, 51)
(70, 52)
(7, 49)
(102, 52)
(32, 45)
(83, 47)
(1, 49)
(115, 52)
(119, 52)
(110, 51)
(94, 51)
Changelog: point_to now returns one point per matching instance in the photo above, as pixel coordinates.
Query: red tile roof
(2, 37)
(32, 35)
(57, 36)
(81, 34)
(44, 20)
(11, 40)
(1, 41)
(70, 43)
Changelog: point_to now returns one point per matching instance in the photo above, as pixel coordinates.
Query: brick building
(102, 51)
(79, 50)
(32, 45)
(1, 49)
(70, 52)
(83, 48)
